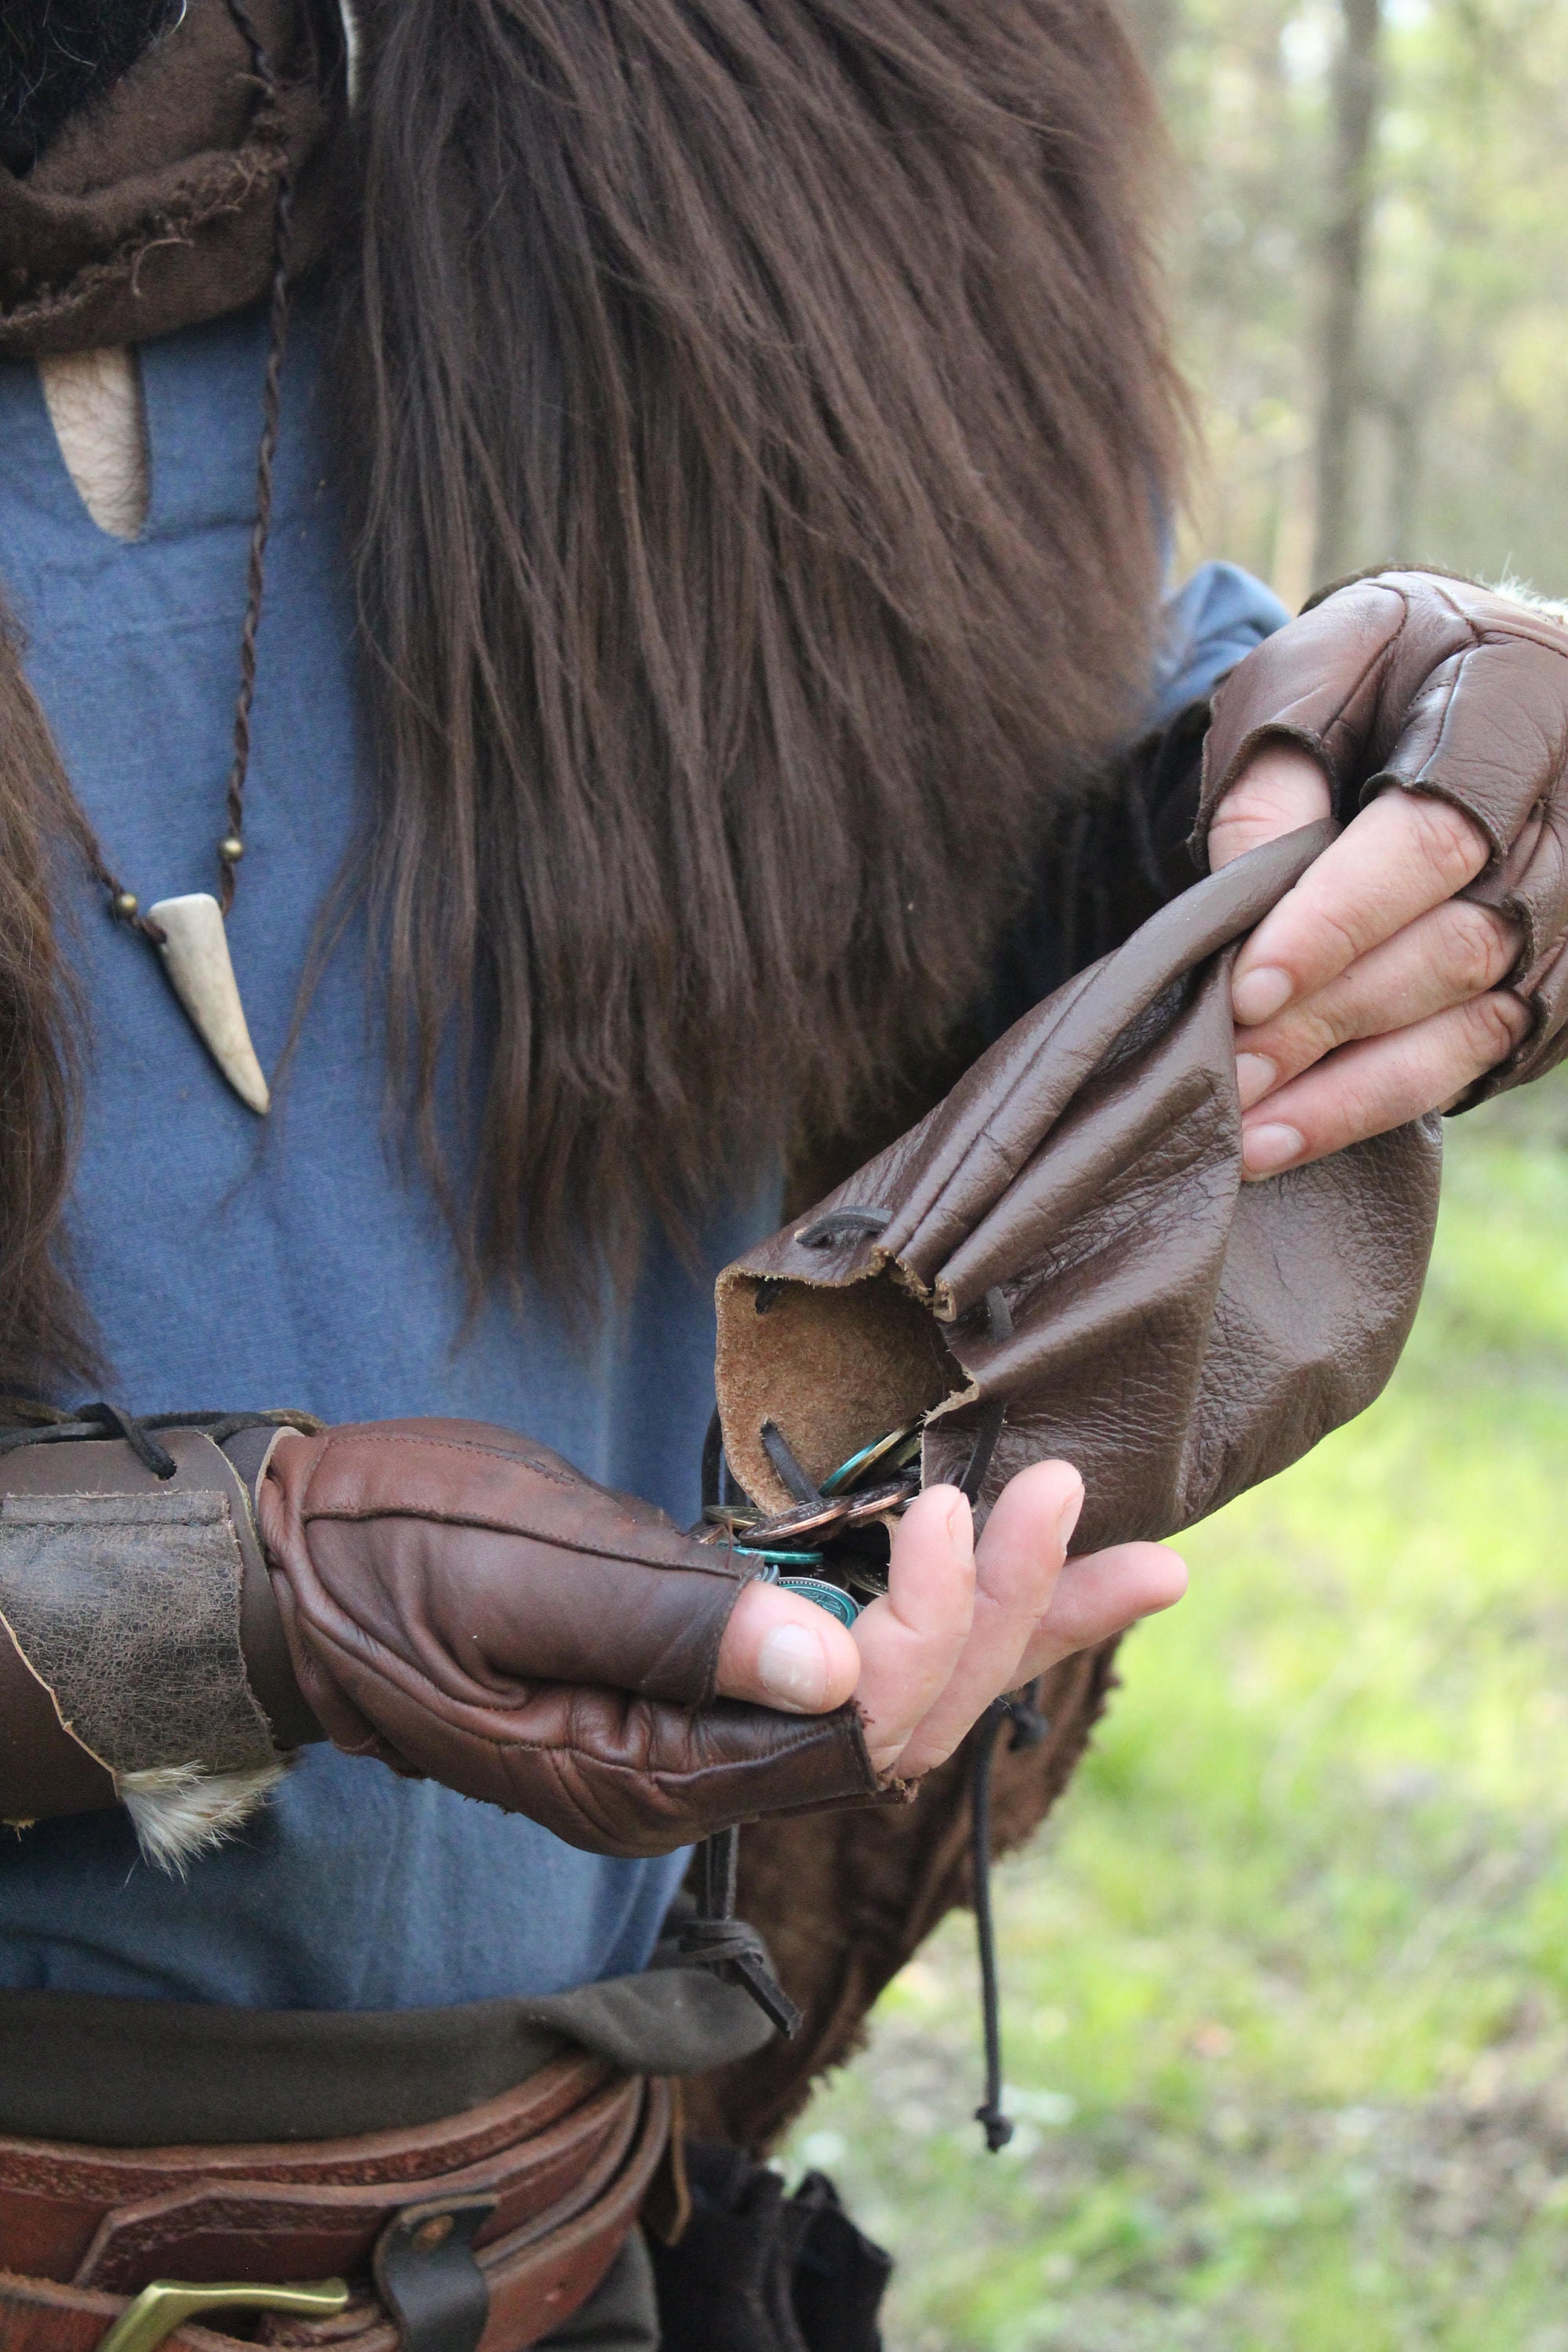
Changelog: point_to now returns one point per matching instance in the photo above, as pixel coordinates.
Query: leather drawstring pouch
(1061, 1259)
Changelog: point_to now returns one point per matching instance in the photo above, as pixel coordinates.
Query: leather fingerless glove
(1435, 686)
(461, 1603)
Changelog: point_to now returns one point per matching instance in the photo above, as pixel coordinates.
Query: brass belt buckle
(167, 2304)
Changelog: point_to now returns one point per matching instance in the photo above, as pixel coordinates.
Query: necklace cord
(271, 402)
(123, 904)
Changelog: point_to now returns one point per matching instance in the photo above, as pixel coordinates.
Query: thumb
(783, 1652)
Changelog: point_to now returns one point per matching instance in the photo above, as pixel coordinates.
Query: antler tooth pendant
(196, 956)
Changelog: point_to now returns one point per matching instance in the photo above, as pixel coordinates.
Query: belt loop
(427, 2278)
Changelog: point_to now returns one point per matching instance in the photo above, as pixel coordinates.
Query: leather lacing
(703, 1938)
(1029, 1729)
(102, 1420)
(711, 1936)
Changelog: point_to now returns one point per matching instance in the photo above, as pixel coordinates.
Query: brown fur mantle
(757, 418)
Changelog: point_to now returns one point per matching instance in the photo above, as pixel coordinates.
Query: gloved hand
(460, 1602)
(1418, 964)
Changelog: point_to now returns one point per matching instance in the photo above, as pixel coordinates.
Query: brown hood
(153, 209)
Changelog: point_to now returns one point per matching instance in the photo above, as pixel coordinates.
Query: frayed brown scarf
(153, 209)
(757, 421)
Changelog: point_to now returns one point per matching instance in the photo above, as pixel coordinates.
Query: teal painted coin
(881, 1448)
(836, 1602)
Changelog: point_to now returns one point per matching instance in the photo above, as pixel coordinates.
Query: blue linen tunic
(298, 1261)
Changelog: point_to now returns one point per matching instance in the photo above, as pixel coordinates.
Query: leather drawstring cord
(123, 903)
(705, 1938)
(799, 1482)
(1029, 1727)
(999, 1327)
(715, 1939)
(843, 1225)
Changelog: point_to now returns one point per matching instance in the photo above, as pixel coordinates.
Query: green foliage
(1461, 448)
(1286, 1980)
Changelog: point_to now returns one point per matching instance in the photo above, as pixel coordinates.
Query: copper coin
(801, 1520)
(875, 1500)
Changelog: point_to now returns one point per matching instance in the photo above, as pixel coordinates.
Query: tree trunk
(1403, 413)
(1153, 25)
(1356, 102)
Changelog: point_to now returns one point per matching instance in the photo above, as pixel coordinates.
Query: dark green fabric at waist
(149, 2073)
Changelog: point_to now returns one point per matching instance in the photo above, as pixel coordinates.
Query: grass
(1287, 1976)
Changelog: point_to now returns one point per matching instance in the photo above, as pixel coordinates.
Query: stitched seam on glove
(723, 1563)
(401, 1439)
(1434, 789)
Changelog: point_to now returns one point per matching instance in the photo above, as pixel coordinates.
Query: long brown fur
(758, 420)
(42, 1330)
(761, 420)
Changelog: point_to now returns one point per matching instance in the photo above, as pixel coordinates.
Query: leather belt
(498, 2222)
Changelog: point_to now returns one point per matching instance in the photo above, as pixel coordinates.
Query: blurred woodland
(1370, 255)
(1285, 1979)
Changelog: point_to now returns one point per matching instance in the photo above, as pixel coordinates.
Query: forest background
(1286, 1978)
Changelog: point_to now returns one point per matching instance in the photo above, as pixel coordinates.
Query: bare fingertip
(1178, 1573)
(1266, 1149)
(793, 1669)
(1257, 996)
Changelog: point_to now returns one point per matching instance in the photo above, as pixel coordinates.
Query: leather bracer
(146, 1663)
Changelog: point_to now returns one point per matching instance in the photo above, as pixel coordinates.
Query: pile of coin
(835, 1544)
